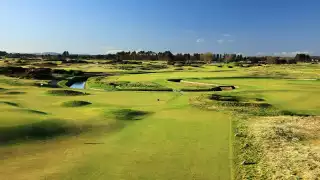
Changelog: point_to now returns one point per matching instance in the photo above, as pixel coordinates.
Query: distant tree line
(172, 59)
(3, 53)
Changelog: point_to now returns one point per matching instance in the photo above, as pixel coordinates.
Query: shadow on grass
(217, 97)
(15, 92)
(75, 103)
(66, 93)
(35, 111)
(291, 113)
(10, 103)
(51, 128)
(25, 110)
(38, 130)
(129, 114)
(201, 89)
(174, 80)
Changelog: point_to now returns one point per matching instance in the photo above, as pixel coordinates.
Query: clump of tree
(206, 57)
(65, 54)
(272, 60)
(21, 55)
(3, 53)
(303, 58)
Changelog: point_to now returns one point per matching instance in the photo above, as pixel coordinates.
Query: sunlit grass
(146, 135)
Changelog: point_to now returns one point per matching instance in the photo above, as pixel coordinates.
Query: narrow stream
(78, 85)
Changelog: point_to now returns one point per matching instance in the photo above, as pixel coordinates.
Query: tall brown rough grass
(290, 145)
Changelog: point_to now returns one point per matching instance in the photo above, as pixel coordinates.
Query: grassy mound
(102, 83)
(239, 101)
(138, 85)
(153, 67)
(39, 130)
(189, 86)
(129, 114)
(236, 104)
(15, 82)
(63, 84)
(248, 105)
(46, 64)
(75, 103)
(66, 93)
(99, 83)
(259, 99)
(226, 98)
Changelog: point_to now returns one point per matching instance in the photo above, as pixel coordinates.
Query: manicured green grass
(162, 144)
(296, 95)
(98, 134)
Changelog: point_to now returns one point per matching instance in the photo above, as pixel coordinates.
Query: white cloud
(113, 51)
(260, 53)
(301, 52)
(291, 53)
(200, 40)
(238, 53)
(226, 35)
(220, 41)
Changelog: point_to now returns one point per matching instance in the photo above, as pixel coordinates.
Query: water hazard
(78, 85)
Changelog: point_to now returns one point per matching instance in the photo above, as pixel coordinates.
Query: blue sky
(251, 27)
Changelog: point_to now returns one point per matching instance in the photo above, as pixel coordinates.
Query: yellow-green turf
(164, 136)
(174, 141)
